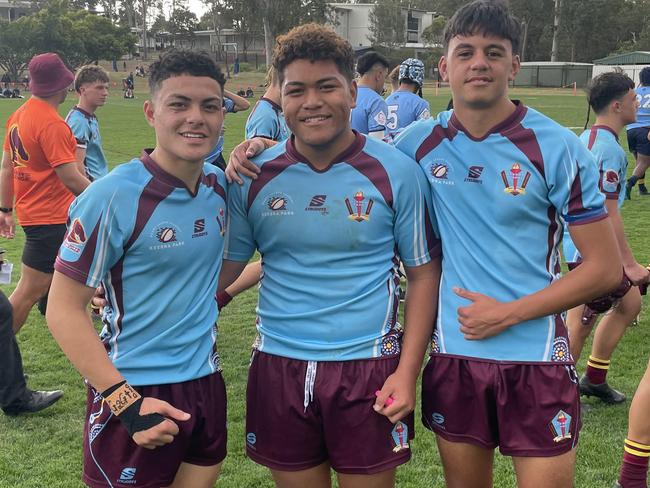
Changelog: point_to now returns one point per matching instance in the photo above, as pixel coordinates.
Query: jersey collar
(606, 128)
(272, 103)
(508, 123)
(88, 115)
(347, 154)
(162, 175)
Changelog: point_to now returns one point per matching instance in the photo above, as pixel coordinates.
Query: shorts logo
(561, 351)
(76, 238)
(199, 228)
(561, 426)
(277, 204)
(317, 204)
(356, 213)
(518, 186)
(166, 234)
(440, 172)
(251, 438)
(400, 435)
(474, 174)
(127, 476)
(438, 418)
(221, 220)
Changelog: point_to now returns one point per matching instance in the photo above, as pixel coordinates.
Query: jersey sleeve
(58, 144)
(424, 112)
(80, 130)
(240, 244)
(95, 240)
(262, 127)
(613, 167)
(415, 226)
(377, 115)
(573, 184)
(229, 105)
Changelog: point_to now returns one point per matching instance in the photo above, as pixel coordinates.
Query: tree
(387, 24)
(79, 36)
(182, 24)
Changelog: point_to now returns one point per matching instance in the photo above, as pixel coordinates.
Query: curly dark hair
(183, 62)
(366, 62)
(487, 18)
(606, 88)
(313, 42)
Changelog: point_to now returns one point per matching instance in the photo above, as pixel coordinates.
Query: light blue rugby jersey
(329, 242)
(266, 120)
(611, 162)
(157, 249)
(370, 113)
(404, 108)
(86, 130)
(229, 105)
(643, 112)
(500, 203)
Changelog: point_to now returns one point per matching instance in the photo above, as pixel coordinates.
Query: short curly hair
(313, 42)
(183, 62)
(90, 74)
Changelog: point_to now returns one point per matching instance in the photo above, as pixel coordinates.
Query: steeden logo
(317, 204)
(199, 228)
(127, 476)
(474, 174)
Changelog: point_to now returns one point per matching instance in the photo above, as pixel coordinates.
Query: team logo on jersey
(75, 240)
(610, 181)
(19, 155)
(400, 436)
(277, 204)
(380, 118)
(474, 174)
(440, 172)
(518, 186)
(199, 228)
(561, 426)
(166, 235)
(358, 213)
(561, 351)
(390, 345)
(221, 220)
(317, 204)
(435, 342)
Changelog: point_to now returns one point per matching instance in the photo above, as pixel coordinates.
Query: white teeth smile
(318, 118)
(193, 136)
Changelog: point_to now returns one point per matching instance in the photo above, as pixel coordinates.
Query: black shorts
(42, 243)
(637, 141)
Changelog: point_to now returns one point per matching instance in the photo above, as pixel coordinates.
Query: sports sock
(597, 370)
(634, 470)
(631, 181)
(641, 181)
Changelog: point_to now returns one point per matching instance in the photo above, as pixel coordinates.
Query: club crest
(357, 213)
(400, 435)
(518, 186)
(561, 426)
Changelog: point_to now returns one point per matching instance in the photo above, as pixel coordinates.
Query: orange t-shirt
(38, 140)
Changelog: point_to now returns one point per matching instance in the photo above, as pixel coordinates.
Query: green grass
(44, 450)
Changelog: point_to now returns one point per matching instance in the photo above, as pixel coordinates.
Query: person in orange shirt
(40, 178)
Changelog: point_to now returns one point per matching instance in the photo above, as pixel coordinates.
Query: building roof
(635, 57)
(553, 63)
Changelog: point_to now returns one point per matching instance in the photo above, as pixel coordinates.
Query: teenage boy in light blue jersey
(332, 213)
(369, 116)
(266, 119)
(612, 98)
(91, 83)
(152, 233)
(637, 135)
(504, 179)
(406, 105)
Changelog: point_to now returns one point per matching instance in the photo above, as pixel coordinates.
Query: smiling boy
(331, 214)
(151, 232)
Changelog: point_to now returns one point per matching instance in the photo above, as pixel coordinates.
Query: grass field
(44, 450)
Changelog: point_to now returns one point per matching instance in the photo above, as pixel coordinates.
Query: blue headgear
(412, 69)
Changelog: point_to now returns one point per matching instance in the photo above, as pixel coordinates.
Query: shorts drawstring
(310, 379)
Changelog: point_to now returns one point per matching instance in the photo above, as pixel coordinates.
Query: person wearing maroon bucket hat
(39, 178)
